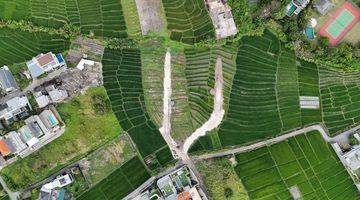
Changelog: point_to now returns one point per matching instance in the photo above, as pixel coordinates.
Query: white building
(54, 96)
(50, 191)
(352, 158)
(84, 62)
(14, 108)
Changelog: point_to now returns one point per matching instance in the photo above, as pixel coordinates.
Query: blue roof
(59, 58)
(35, 69)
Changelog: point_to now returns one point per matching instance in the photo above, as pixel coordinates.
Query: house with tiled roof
(4, 148)
(44, 63)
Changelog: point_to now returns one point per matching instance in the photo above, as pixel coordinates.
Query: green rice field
(188, 20)
(101, 17)
(123, 82)
(340, 99)
(20, 46)
(119, 183)
(305, 162)
(264, 97)
(309, 86)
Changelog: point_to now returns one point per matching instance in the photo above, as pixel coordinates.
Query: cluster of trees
(247, 15)
(68, 31)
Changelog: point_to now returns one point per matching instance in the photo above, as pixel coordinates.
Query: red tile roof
(4, 148)
(45, 59)
(184, 196)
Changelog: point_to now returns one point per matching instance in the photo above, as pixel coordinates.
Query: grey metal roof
(6, 79)
(35, 69)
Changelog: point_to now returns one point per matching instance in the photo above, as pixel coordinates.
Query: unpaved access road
(339, 138)
(218, 111)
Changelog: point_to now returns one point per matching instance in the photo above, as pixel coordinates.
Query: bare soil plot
(151, 14)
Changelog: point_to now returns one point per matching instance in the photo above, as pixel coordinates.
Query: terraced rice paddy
(305, 162)
(200, 80)
(340, 99)
(309, 86)
(200, 76)
(181, 123)
(19, 46)
(123, 82)
(102, 17)
(152, 61)
(188, 20)
(120, 183)
(264, 97)
(200, 64)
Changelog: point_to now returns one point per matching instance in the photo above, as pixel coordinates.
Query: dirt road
(339, 138)
(218, 111)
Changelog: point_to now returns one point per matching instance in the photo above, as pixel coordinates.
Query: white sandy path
(165, 130)
(218, 112)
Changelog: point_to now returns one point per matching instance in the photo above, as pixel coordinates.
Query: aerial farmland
(179, 99)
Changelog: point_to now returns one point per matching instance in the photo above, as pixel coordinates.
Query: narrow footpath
(165, 130)
(218, 111)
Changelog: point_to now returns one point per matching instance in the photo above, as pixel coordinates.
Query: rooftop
(7, 80)
(44, 59)
(4, 148)
(352, 158)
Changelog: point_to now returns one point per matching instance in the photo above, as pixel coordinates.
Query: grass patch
(102, 162)
(21, 80)
(85, 132)
(131, 17)
(220, 179)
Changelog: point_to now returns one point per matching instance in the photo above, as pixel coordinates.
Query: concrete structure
(167, 188)
(14, 142)
(52, 190)
(295, 7)
(309, 102)
(27, 135)
(323, 6)
(42, 100)
(56, 95)
(7, 81)
(13, 109)
(34, 122)
(177, 185)
(352, 158)
(44, 63)
(83, 63)
(221, 16)
(50, 120)
(50, 95)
